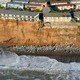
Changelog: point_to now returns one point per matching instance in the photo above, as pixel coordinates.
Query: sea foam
(11, 59)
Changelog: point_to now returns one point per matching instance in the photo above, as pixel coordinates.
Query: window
(26, 16)
(48, 18)
(65, 18)
(2, 14)
(5, 14)
(17, 15)
(13, 15)
(22, 16)
(28, 19)
(32, 17)
(10, 15)
(56, 18)
(61, 18)
(52, 19)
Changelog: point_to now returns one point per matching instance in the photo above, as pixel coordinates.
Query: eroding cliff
(32, 33)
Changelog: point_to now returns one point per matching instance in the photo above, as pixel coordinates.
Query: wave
(10, 59)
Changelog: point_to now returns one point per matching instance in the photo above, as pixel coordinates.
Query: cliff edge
(32, 33)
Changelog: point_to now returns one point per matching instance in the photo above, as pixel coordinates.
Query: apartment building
(19, 15)
(3, 2)
(21, 1)
(17, 4)
(34, 6)
(42, 3)
(74, 1)
(65, 6)
(78, 6)
(37, 1)
(58, 2)
(57, 17)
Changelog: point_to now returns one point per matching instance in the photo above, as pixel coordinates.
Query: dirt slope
(31, 33)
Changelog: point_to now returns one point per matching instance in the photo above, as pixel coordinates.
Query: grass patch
(54, 11)
(26, 9)
(38, 10)
(1, 7)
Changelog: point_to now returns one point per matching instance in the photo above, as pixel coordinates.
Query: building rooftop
(65, 5)
(48, 0)
(20, 0)
(18, 12)
(33, 4)
(15, 3)
(66, 14)
(75, 0)
(78, 3)
(39, 1)
(58, 1)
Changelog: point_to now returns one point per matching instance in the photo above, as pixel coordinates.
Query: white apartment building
(3, 2)
(19, 15)
(75, 1)
(78, 6)
(57, 17)
(65, 6)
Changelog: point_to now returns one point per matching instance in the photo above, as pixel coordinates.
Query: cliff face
(31, 33)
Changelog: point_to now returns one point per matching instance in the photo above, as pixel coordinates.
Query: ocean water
(14, 67)
(38, 75)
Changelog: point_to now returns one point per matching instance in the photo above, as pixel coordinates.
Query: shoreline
(62, 49)
(62, 53)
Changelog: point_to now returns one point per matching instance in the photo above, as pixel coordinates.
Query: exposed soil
(32, 33)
